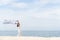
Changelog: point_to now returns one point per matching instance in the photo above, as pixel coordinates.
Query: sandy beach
(28, 38)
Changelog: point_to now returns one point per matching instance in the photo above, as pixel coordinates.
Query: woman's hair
(17, 20)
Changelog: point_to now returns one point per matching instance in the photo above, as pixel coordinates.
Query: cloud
(43, 2)
(49, 1)
(7, 14)
(38, 12)
(5, 2)
(54, 1)
(19, 5)
(12, 3)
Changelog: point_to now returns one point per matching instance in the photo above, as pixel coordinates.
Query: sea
(32, 33)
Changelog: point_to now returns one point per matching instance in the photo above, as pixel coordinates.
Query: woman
(18, 27)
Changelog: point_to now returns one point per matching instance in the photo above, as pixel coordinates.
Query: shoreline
(27, 38)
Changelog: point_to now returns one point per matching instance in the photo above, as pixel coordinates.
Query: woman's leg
(18, 31)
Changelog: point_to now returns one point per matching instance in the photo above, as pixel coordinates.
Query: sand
(28, 38)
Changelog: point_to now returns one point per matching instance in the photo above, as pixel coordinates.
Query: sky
(33, 14)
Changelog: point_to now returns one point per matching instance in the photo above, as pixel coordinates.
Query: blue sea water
(32, 33)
